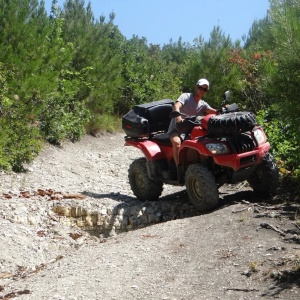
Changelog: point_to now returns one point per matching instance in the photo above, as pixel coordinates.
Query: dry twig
(241, 290)
(269, 226)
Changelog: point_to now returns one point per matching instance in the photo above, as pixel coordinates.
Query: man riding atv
(225, 146)
(191, 104)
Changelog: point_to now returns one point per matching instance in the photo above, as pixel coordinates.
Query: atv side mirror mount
(227, 95)
(174, 114)
(226, 98)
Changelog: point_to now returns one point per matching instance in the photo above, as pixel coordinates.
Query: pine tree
(97, 47)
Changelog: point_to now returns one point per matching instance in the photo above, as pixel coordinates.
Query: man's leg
(176, 142)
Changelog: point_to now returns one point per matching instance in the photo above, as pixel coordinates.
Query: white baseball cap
(203, 81)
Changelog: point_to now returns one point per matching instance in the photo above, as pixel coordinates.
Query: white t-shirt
(189, 107)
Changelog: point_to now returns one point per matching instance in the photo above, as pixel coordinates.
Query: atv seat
(162, 139)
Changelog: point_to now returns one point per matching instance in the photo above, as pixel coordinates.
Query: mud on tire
(231, 123)
(141, 185)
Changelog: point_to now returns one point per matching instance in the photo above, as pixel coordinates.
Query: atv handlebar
(229, 108)
(187, 124)
(175, 114)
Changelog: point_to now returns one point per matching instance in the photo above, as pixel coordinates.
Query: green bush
(103, 123)
(63, 115)
(20, 139)
(282, 137)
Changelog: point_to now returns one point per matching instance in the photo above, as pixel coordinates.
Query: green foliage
(97, 47)
(64, 116)
(260, 35)
(176, 55)
(268, 76)
(207, 59)
(20, 140)
(286, 82)
(282, 137)
(146, 74)
(252, 73)
(39, 92)
(105, 122)
(62, 113)
(19, 143)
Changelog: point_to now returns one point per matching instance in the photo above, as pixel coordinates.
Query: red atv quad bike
(226, 148)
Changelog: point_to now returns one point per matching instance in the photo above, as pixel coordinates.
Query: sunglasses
(202, 88)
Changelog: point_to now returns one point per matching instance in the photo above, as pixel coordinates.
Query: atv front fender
(239, 161)
(234, 161)
(150, 149)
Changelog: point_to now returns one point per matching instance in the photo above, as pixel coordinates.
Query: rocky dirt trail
(70, 228)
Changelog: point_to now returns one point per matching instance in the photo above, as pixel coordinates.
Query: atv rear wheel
(265, 177)
(201, 188)
(231, 123)
(141, 185)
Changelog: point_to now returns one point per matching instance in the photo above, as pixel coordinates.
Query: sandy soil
(248, 248)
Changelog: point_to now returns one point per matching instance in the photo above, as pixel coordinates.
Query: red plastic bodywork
(205, 119)
(150, 149)
(201, 130)
(153, 151)
(234, 161)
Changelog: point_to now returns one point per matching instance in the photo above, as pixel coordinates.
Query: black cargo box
(145, 119)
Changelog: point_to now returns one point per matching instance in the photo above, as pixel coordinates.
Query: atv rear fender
(150, 149)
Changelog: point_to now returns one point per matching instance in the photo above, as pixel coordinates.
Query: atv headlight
(259, 136)
(217, 148)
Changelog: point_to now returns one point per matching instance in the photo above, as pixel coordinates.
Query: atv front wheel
(201, 188)
(265, 177)
(141, 185)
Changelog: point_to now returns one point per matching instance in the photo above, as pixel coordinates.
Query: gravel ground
(247, 248)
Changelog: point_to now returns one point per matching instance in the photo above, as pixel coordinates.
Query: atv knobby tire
(141, 185)
(265, 178)
(231, 123)
(201, 188)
